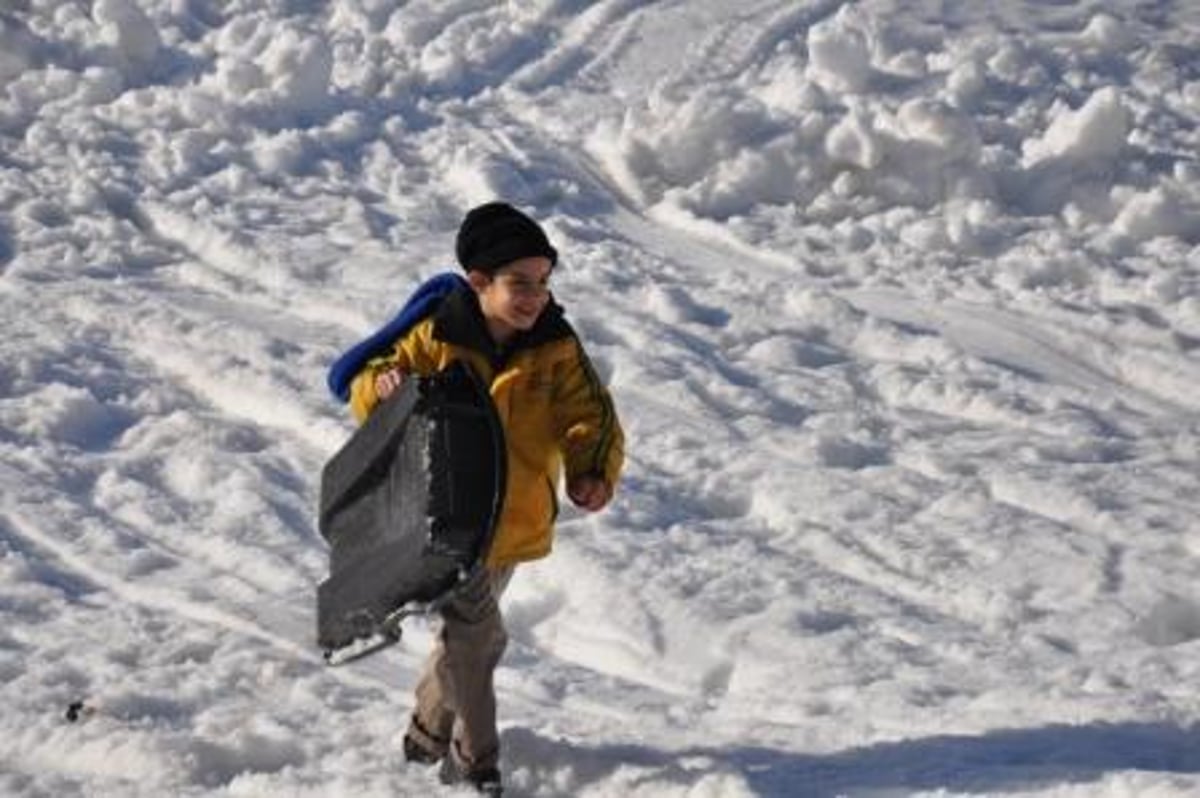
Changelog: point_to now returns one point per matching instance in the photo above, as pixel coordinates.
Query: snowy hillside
(899, 301)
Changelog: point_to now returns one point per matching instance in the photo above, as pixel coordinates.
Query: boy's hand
(387, 383)
(589, 493)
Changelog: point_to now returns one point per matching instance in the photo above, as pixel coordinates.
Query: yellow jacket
(554, 410)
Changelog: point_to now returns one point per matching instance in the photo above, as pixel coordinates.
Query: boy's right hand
(589, 492)
(388, 382)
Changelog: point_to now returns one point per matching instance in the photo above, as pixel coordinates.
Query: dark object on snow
(409, 506)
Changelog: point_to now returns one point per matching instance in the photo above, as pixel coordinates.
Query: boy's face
(514, 296)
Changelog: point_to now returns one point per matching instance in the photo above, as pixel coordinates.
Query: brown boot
(420, 746)
(418, 754)
(485, 781)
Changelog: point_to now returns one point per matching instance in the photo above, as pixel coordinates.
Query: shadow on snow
(997, 761)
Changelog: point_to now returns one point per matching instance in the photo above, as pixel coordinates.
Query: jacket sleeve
(412, 354)
(588, 429)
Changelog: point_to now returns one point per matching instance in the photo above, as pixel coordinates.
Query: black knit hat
(494, 234)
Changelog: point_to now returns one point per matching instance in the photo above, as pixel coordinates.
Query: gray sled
(409, 506)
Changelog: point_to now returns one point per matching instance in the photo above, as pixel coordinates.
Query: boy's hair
(496, 233)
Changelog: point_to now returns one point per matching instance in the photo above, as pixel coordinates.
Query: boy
(556, 416)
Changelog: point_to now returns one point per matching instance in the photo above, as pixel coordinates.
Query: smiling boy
(557, 417)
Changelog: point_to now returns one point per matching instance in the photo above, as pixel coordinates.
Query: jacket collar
(459, 321)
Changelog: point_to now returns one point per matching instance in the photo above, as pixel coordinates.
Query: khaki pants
(456, 697)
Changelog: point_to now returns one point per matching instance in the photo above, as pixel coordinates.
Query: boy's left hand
(589, 493)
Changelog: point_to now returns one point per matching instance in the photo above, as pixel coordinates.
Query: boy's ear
(479, 280)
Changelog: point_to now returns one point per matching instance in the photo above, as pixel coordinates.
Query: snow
(899, 301)
(1098, 131)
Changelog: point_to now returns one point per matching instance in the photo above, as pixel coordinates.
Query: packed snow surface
(899, 301)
